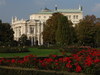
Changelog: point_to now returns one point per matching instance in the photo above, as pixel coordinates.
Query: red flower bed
(87, 61)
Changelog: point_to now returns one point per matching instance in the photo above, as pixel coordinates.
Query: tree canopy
(58, 30)
(50, 28)
(97, 27)
(23, 40)
(86, 30)
(6, 33)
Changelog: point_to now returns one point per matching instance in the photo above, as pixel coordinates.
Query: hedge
(5, 70)
(13, 49)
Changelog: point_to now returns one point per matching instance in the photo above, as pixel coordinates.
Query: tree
(58, 30)
(64, 32)
(23, 40)
(97, 27)
(86, 30)
(0, 21)
(6, 34)
(50, 28)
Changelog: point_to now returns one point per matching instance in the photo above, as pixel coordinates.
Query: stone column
(42, 24)
(38, 33)
(35, 29)
(28, 29)
(32, 41)
(17, 33)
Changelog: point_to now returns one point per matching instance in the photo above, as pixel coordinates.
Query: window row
(68, 16)
(74, 16)
(44, 16)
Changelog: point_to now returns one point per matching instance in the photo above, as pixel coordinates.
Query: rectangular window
(69, 16)
(44, 16)
(31, 29)
(74, 17)
(39, 16)
(19, 31)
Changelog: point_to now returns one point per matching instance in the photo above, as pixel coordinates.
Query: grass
(34, 51)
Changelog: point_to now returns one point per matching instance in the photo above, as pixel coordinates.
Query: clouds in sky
(96, 7)
(2, 2)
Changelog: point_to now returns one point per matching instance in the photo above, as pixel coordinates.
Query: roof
(69, 10)
(59, 10)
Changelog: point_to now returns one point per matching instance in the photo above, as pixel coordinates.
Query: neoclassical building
(33, 27)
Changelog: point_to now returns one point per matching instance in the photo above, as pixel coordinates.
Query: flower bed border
(5, 70)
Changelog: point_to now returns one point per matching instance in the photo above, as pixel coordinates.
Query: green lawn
(34, 51)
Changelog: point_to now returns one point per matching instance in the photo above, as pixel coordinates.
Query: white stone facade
(33, 27)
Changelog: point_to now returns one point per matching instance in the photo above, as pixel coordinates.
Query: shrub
(74, 49)
(86, 61)
(13, 49)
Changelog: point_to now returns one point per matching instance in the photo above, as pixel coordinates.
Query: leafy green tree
(64, 32)
(58, 30)
(0, 21)
(86, 30)
(6, 34)
(97, 27)
(50, 28)
(23, 40)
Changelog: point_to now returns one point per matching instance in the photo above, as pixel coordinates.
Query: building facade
(33, 27)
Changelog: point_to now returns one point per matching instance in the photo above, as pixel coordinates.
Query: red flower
(56, 60)
(78, 68)
(13, 60)
(8, 60)
(40, 61)
(97, 60)
(76, 64)
(66, 59)
(0, 61)
(88, 61)
(20, 61)
(56, 63)
(61, 59)
(43, 64)
(54, 56)
(76, 57)
(49, 60)
(68, 65)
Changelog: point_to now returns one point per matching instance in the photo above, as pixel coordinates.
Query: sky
(24, 8)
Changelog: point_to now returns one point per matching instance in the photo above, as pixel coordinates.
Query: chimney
(56, 7)
(80, 8)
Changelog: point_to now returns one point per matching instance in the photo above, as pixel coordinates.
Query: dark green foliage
(14, 43)
(97, 28)
(86, 31)
(23, 41)
(6, 34)
(13, 49)
(58, 30)
(74, 49)
(50, 29)
(0, 21)
(65, 32)
(61, 33)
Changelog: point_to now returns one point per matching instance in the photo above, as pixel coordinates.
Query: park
(66, 50)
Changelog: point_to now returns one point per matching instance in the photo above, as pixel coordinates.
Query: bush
(74, 49)
(13, 49)
(84, 61)
(48, 47)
